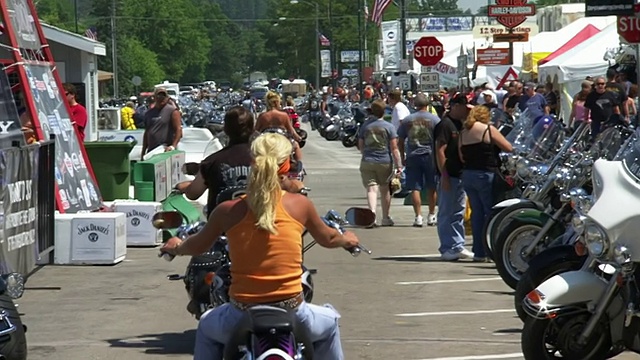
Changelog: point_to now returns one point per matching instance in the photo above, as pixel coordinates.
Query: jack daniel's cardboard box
(140, 230)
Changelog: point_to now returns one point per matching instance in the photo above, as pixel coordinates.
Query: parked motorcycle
(593, 313)
(13, 341)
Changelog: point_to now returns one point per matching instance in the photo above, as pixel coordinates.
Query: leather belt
(288, 304)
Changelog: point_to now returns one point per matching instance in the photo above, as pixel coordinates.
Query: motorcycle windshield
(629, 154)
(609, 144)
(521, 130)
(546, 134)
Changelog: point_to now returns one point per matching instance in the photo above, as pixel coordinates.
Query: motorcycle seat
(264, 320)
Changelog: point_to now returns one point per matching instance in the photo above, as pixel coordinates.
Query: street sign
(492, 56)
(461, 70)
(136, 80)
(511, 13)
(511, 38)
(428, 51)
(629, 27)
(401, 81)
(430, 82)
(609, 7)
(485, 31)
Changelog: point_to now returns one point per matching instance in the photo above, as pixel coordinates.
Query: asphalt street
(401, 302)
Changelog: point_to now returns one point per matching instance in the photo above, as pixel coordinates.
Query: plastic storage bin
(111, 166)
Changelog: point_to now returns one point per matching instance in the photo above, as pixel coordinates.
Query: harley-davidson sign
(511, 13)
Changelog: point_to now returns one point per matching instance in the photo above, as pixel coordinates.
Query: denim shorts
(420, 172)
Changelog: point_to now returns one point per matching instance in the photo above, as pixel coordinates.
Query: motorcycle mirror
(191, 168)
(167, 220)
(360, 217)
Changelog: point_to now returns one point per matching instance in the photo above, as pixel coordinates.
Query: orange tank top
(265, 268)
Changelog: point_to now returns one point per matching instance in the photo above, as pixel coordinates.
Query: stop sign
(629, 27)
(428, 51)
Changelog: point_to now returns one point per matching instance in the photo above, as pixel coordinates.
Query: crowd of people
(448, 147)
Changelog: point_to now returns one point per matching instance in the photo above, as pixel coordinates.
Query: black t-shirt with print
(601, 105)
(619, 90)
(225, 168)
(447, 132)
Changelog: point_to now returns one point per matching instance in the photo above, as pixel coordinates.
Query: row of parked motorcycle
(566, 242)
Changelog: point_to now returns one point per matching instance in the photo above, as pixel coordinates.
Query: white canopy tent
(568, 70)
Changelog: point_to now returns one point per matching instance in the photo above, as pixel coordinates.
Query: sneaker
(387, 222)
(418, 221)
(450, 256)
(465, 254)
(432, 220)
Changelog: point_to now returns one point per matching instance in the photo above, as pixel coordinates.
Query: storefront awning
(73, 40)
(104, 75)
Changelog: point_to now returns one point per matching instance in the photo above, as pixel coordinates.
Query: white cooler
(90, 238)
(140, 230)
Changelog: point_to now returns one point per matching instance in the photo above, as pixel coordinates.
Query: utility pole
(316, 38)
(114, 51)
(332, 47)
(75, 11)
(361, 6)
(403, 27)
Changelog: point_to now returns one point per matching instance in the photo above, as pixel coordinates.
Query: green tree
(136, 60)
(56, 13)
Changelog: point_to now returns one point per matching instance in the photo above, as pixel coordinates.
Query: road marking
(481, 357)
(447, 281)
(411, 256)
(444, 313)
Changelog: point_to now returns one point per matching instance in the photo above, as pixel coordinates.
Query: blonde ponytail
(274, 101)
(269, 151)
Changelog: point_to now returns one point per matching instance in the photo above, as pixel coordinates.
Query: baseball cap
(459, 98)
(160, 90)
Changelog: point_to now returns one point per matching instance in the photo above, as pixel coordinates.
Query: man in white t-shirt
(400, 110)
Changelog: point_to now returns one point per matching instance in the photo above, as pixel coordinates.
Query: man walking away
(451, 195)
(417, 130)
(163, 124)
(400, 110)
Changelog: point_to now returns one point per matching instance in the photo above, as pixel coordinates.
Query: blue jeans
(451, 205)
(216, 326)
(478, 185)
(420, 172)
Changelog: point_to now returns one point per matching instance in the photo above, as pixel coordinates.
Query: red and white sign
(511, 13)
(492, 57)
(629, 27)
(428, 51)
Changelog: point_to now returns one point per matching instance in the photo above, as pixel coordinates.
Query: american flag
(324, 41)
(1, 28)
(91, 33)
(379, 7)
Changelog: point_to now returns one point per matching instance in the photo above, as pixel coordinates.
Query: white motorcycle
(594, 313)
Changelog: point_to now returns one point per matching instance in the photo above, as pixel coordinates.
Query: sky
(471, 4)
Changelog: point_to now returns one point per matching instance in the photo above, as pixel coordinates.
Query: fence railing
(46, 201)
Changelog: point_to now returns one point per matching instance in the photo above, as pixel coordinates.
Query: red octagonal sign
(428, 51)
(629, 27)
(511, 13)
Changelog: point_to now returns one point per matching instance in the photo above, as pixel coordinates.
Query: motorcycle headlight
(595, 239)
(621, 254)
(562, 178)
(522, 168)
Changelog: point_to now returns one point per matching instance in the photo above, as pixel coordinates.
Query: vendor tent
(569, 69)
(545, 43)
(580, 37)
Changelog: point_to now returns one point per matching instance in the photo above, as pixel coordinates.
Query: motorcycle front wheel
(512, 241)
(349, 141)
(14, 345)
(557, 339)
(497, 221)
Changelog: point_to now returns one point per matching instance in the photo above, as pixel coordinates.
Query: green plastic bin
(111, 166)
(190, 213)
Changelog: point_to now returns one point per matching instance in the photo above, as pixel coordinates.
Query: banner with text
(391, 45)
(19, 192)
(325, 63)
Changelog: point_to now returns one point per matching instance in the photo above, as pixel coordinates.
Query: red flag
(324, 41)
